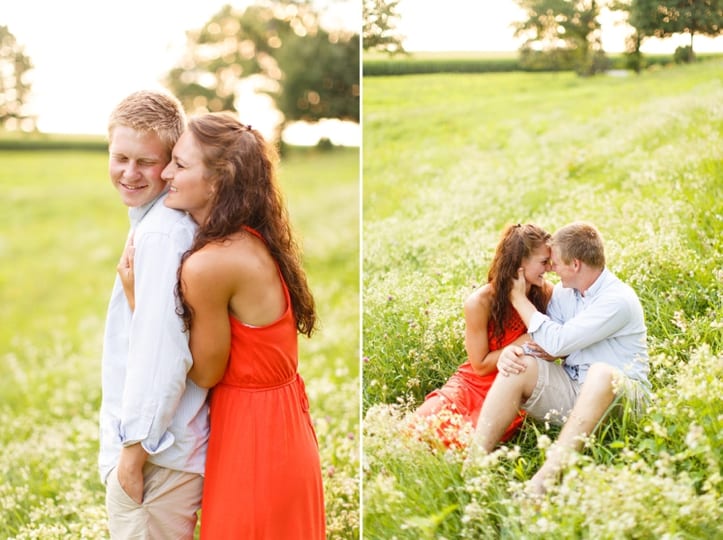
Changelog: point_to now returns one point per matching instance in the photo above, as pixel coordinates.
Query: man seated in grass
(595, 323)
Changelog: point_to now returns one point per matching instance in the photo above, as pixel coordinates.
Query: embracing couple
(210, 294)
(568, 354)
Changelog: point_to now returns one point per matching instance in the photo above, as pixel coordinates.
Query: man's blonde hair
(581, 241)
(150, 111)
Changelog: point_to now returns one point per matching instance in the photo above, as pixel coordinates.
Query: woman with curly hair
(244, 298)
(450, 413)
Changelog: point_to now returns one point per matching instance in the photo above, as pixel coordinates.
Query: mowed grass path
(448, 160)
(60, 237)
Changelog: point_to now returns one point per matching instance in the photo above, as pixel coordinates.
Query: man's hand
(510, 360)
(130, 471)
(533, 349)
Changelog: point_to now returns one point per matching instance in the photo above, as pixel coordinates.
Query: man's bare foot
(537, 485)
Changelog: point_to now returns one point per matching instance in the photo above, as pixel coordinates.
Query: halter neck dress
(263, 474)
(454, 408)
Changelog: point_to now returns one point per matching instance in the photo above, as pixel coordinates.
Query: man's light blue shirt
(605, 325)
(146, 395)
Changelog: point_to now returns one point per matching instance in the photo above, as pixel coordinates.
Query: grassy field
(60, 237)
(426, 62)
(448, 161)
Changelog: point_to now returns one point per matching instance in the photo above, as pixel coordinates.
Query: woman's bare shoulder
(238, 255)
(480, 298)
(203, 265)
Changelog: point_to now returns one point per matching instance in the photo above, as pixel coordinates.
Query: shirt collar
(595, 287)
(137, 213)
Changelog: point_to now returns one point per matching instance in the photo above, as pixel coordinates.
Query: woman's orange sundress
(263, 474)
(453, 410)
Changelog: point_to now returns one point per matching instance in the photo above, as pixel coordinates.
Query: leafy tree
(663, 19)
(14, 88)
(309, 72)
(565, 32)
(321, 78)
(634, 57)
(642, 16)
(379, 31)
(691, 16)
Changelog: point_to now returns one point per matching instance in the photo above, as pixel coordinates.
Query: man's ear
(576, 264)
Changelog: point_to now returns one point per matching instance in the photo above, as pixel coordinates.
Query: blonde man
(153, 420)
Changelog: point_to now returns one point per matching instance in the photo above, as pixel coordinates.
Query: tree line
(309, 72)
(567, 34)
(313, 73)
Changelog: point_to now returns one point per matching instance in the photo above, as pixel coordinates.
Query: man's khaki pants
(168, 512)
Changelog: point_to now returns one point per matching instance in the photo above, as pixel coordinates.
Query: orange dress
(455, 408)
(263, 474)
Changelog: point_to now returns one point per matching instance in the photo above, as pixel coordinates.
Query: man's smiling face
(135, 164)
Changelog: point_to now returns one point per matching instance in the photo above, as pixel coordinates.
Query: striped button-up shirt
(147, 398)
(605, 325)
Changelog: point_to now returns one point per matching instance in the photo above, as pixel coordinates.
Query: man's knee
(520, 384)
(602, 372)
(526, 380)
(601, 380)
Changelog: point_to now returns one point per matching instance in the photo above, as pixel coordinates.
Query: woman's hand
(510, 361)
(519, 286)
(125, 271)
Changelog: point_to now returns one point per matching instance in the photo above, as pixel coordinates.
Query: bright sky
(89, 54)
(469, 25)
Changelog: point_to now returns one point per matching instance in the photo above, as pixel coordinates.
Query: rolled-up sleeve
(598, 321)
(159, 357)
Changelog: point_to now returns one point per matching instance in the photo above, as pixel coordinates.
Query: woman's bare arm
(207, 292)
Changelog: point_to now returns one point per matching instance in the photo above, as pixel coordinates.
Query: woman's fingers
(510, 361)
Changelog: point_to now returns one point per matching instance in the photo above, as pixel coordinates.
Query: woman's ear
(212, 183)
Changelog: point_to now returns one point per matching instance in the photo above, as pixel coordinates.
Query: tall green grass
(448, 161)
(61, 234)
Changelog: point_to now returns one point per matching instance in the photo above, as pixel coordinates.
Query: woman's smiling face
(187, 177)
(536, 265)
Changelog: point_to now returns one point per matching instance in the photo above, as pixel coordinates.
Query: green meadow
(424, 62)
(61, 234)
(448, 161)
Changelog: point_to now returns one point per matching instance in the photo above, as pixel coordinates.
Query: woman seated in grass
(449, 414)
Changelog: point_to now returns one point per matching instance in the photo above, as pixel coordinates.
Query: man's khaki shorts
(168, 512)
(555, 394)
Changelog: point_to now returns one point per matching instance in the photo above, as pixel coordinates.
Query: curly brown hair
(517, 242)
(242, 165)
